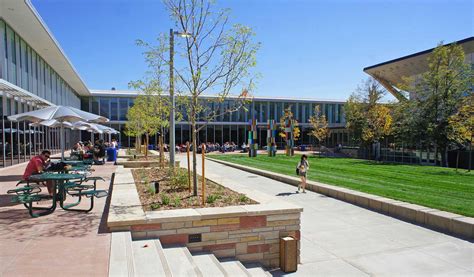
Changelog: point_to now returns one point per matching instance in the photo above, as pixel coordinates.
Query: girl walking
(302, 168)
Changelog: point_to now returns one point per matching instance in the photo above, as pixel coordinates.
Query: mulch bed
(142, 158)
(176, 195)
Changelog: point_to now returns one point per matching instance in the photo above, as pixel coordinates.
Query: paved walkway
(341, 239)
(61, 244)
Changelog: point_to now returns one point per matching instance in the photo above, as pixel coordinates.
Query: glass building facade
(28, 82)
(230, 127)
(35, 73)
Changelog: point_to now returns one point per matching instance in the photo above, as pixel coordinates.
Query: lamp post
(172, 117)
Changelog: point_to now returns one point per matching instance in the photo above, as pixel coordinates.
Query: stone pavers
(338, 238)
(61, 244)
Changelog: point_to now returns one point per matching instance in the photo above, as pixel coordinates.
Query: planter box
(139, 164)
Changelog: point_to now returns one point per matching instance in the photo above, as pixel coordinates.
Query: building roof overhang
(25, 20)
(392, 72)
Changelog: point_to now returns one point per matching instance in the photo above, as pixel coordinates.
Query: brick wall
(249, 238)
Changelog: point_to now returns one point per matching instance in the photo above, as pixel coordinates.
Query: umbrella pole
(62, 141)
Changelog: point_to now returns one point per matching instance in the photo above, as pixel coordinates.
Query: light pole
(172, 123)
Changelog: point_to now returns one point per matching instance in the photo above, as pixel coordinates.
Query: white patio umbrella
(62, 114)
(59, 113)
(106, 129)
(86, 126)
(33, 132)
(10, 130)
(53, 123)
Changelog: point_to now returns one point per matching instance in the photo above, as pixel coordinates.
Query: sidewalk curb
(450, 223)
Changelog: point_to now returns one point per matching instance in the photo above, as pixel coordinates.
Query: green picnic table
(59, 191)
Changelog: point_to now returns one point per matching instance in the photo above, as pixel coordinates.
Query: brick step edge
(450, 223)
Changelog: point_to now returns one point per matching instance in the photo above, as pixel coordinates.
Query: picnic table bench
(72, 184)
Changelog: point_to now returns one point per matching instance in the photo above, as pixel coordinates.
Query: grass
(430, 186)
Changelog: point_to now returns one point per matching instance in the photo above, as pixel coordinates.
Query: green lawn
(436, 187)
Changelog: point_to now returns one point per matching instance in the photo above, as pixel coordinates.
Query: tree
(319, 125)
(133, 126)
(288, 115)
(151, 110)
(461, 126)
(366, 117)
(437, 94)
(218, 60)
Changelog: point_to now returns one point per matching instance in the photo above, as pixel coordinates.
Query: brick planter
(250, 233)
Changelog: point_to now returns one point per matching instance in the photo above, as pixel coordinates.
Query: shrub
(228, 199)
(178, 179)
(165, 199)
(155, 206)
(243, 198)
(177, 201)
(212, 198)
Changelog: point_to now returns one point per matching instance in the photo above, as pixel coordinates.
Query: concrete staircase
(149, 258)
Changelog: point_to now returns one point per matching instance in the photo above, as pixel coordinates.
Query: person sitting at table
(37, 165)
(88, 150)
(99, 152)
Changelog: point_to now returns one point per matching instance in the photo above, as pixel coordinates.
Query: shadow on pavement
(286, 193)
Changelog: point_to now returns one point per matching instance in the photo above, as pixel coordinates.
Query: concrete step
(209, 265)
(147, 260)
(235, 269)
(121, 255)
(181, 262)
(162, 256)
(258, 272)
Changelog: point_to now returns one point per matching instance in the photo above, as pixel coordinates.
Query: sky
(309, 48)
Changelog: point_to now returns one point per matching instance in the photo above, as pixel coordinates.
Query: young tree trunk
(444, 157)
(161, 150)
(195, 181)
(470, 155)
(146, 145)
(137, 144)
(194, 142)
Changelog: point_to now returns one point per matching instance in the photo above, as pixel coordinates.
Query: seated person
(37, 165)
(99, 152)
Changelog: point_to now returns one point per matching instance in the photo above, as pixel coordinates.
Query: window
(114, 109)
(85, 104)
(104, 107)
(95, 106)
(272, 110)
(218, 134)
(210, 133)
(279, 111)
(123, 108)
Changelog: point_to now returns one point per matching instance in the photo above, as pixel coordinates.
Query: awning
(15, 91)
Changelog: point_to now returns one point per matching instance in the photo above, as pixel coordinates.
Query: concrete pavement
(341, 239)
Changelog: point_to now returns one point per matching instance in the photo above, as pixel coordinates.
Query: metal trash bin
(288, 254)
(111, 154)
